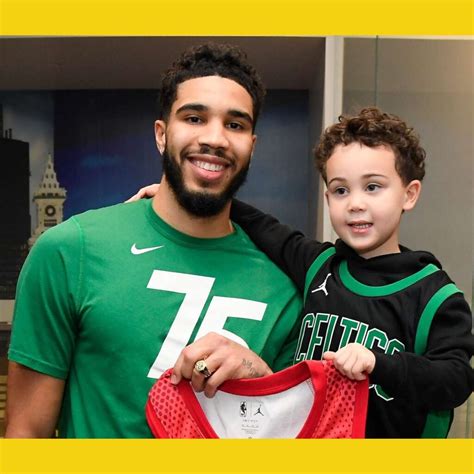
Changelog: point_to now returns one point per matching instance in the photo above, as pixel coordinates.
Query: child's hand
(354, 361)
(145, 192)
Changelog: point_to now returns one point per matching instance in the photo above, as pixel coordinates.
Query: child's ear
(412, 193)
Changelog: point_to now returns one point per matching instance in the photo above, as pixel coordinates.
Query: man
(108, 299)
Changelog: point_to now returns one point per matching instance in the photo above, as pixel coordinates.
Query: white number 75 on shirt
(196, 290)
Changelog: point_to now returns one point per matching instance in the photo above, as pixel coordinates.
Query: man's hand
(354, 361)
(147, 191)
(224, 358)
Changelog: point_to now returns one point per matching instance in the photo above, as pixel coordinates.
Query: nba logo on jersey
(243, 408)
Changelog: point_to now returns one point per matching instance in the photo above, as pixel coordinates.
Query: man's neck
(168, 208)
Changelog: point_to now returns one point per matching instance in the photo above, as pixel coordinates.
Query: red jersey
(308, 400)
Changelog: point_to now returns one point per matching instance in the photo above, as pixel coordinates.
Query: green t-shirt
(107, 300)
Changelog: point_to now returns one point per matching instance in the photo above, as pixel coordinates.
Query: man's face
(366, 198)
(207, 143)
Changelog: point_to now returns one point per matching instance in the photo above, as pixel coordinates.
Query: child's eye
(341, 191)
(373, 187)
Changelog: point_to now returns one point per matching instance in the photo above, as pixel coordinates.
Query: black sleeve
(288, 248)
(442, 378)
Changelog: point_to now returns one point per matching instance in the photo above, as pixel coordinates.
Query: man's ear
(412, 193)
(160, 135)
(254, 141)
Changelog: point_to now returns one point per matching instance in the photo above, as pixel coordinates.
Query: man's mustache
(207, 150)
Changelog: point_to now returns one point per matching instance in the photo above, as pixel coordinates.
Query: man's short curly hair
(212, 59)
(372, 127)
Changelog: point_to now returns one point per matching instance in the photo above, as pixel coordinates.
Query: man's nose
(214, 135)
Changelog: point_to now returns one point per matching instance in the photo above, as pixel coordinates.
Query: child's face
(366, 197)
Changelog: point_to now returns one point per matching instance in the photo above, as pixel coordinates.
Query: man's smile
(207, 166)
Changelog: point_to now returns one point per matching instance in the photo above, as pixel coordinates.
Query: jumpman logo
(322, 286)
(259, 411)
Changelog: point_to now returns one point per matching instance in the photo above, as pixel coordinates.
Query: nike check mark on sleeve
(136, 251)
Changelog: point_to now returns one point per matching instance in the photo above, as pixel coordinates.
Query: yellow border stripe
(222, 456)
(246, 18)
(243, 17)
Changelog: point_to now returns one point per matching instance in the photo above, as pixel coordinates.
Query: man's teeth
(361, 226)
(208, 166)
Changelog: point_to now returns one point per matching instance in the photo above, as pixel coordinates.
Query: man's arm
(33, 403)
(224, 358)
(44, 332)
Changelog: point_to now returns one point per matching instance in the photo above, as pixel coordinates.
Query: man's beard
(200, 203)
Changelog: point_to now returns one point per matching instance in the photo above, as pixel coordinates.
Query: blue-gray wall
(105, 150)
(104, 147)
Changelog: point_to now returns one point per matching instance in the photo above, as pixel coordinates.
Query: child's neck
(377, 252)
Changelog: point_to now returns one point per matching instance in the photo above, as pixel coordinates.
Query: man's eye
(235, 126)
(193, 119)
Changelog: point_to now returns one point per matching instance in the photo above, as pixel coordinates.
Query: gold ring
(201, 367)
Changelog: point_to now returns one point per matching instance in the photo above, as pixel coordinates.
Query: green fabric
(438, 422)
(366, 290)
(426, 318)
(287, 355)
(315, 267)
(91, 311)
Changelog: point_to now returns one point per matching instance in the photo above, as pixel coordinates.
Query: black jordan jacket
(402, 306)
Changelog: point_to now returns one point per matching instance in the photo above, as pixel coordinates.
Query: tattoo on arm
(253, 373)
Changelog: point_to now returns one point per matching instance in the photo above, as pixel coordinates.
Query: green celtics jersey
(108, 299)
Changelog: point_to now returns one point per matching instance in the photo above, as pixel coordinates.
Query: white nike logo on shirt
(136, 251)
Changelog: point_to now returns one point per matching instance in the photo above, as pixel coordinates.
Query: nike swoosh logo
(136, 251)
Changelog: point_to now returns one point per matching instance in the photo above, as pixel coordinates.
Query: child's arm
(442, 378)
(288, 248)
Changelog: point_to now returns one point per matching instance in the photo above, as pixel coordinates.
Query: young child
(372, 306)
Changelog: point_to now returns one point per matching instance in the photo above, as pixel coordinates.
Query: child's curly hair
(372, 127)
